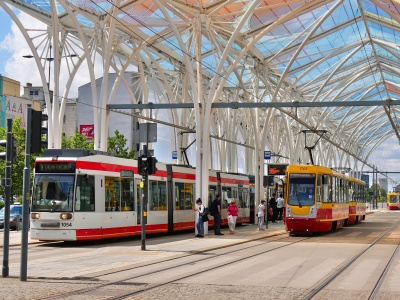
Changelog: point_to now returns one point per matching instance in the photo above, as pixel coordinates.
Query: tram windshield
(392, 199)
(301, 189)
(53, 192)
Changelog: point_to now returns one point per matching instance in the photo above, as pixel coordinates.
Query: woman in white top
(261, 213)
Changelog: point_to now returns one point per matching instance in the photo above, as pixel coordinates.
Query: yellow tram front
(392, 201)
(316, 199)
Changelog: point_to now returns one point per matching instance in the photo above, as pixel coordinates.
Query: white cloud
(25, 70)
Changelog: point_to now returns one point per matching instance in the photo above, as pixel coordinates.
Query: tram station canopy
(274, 51)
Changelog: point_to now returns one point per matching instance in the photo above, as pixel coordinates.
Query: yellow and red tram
(392, 201)
(357, 201)
(318, 199)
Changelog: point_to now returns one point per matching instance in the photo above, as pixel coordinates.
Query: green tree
(18, 166)
(78, 141)
(370, 192)
(117, 145)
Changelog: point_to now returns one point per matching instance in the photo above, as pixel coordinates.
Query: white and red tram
(90, 195)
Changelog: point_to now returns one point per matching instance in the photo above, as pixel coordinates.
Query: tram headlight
(289, 212)
(35, 216)
(66, 216)
(313, 212)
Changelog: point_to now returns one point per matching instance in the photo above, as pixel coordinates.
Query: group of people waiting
(272, 211)
(215, 211)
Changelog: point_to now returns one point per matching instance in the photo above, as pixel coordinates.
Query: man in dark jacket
(272, 204)
(216, 209)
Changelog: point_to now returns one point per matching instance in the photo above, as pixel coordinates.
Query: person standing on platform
(261, 213)
(232, 213)
(279, 207)
(216, 213)
(272, 205)
(200, 224)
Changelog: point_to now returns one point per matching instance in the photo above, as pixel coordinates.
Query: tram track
(172, 279)
(374, 292)
(222, 268)
(182, 271)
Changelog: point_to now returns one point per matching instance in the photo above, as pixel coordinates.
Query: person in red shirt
(232, 216)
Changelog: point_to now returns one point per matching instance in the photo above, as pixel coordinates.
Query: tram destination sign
(277, 169)
(126, 174)
(55, 167)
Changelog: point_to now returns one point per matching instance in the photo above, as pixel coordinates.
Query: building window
(30, 93)
(36, 93)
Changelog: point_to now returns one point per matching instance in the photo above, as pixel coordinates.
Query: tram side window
(244, 200)
(326, 188)
(362, 194)
(158, 195)
(319, 188)
(346, 190)
(211, 194)
(113, 192)
(334, 189)
(352, 191)
(227, 195)
(127, 194)
(183, 196)
(85, 193)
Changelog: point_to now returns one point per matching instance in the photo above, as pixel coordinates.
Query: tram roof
(295, 50)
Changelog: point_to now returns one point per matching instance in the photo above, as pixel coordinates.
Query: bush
(1, 204)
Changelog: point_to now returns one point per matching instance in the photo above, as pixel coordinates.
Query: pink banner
(87, 130)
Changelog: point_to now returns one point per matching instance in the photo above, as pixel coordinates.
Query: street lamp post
(49, 59)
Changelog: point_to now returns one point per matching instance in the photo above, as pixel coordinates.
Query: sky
(13, 46)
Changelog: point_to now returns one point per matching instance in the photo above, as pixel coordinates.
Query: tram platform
(247, 232)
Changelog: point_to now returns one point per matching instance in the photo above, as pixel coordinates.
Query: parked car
(15, 217)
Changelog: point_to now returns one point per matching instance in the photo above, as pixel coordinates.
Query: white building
(36, 93)
(383, 182)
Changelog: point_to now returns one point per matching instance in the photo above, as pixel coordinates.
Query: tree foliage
(382, 194)
(77, 141)
(19, 165)
(117, 145)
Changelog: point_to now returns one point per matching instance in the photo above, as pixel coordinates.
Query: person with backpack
(272, 206)
(215, 211)
(200, 224)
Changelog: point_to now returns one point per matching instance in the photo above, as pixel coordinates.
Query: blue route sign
(174, 154)
(267, 155)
